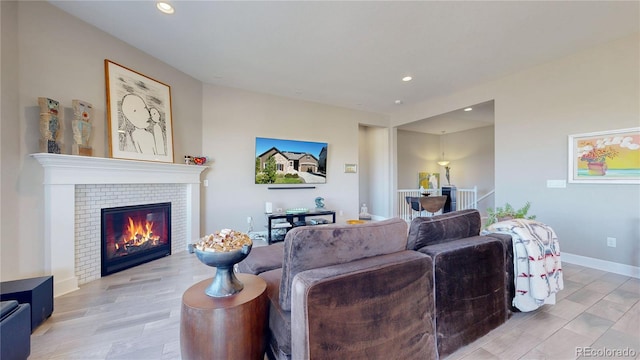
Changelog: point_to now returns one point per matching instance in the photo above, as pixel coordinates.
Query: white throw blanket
(536, 261)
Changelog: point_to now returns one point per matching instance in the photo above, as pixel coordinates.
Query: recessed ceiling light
(407, 78)
(468, 109)
(165, 7)
(398, 102)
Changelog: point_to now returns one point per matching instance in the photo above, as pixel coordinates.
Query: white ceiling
(354, 53)
(458, 120)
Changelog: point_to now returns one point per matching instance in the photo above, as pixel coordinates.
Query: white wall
(375, 175)
(233, 118)
(9, 132)
(470, 152)
(364, 167)
(46, 52)
(535, 111)
(417, 152)
(472, 157)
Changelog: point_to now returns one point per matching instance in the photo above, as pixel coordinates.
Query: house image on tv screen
(290, 162)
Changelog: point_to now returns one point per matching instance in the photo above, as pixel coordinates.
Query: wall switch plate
(556, 183)
(205, 183)
(611, 242)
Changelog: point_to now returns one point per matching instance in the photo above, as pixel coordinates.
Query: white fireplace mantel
(73, 169)
(63, 172)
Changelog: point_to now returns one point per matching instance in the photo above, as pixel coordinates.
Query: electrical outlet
(556, 183)
(249, 219)
(611, 242)
(340, 213)
(205, 183)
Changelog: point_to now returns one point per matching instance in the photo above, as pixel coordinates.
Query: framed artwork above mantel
(605, 157)
(139, 116)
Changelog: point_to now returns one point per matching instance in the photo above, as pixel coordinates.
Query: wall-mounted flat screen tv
(290, 162)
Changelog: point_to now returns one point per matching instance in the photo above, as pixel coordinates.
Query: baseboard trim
(610, 266)
(65, 286)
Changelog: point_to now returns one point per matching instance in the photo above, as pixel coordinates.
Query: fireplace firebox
(133, 235)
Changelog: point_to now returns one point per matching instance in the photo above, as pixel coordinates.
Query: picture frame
(427, 180)
(605, 157)
(140, 124)
(350, 168)
(291, 162)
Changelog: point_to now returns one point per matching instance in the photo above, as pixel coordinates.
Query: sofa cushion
(441, 228)
(262, 258)
(310, 247)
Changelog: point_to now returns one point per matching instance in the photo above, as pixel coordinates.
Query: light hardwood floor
(135, 314)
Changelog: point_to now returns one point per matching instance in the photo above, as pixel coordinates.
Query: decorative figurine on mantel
(81, 124)
(364, 213)
(50, 126)
(195, 160)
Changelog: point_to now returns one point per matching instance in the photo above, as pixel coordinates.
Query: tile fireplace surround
(64, 173)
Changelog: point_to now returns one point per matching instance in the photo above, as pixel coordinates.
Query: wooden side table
(232, 327)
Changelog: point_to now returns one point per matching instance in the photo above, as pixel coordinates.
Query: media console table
(294, 219)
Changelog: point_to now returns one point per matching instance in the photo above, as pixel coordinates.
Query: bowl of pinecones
(223, 250)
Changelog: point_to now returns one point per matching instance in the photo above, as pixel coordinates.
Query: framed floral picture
(605, 157)
(138, 114)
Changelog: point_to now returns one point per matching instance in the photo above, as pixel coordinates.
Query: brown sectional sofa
(378, 291)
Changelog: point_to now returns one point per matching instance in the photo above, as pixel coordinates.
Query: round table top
(195, 296)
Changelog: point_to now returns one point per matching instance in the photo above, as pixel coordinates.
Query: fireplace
(132, 235)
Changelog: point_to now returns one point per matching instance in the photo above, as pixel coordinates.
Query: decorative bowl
(225, 282)
(355, 222)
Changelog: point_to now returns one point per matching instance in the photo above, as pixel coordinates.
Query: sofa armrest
(470, 288)
(507, 241)
(382, 305)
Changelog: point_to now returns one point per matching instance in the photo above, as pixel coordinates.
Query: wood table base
(232, 327)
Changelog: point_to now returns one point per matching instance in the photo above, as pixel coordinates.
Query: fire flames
(138, 233)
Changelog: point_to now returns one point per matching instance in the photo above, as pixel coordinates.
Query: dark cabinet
(450, 205)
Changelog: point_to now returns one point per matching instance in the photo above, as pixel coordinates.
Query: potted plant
(508, 212)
